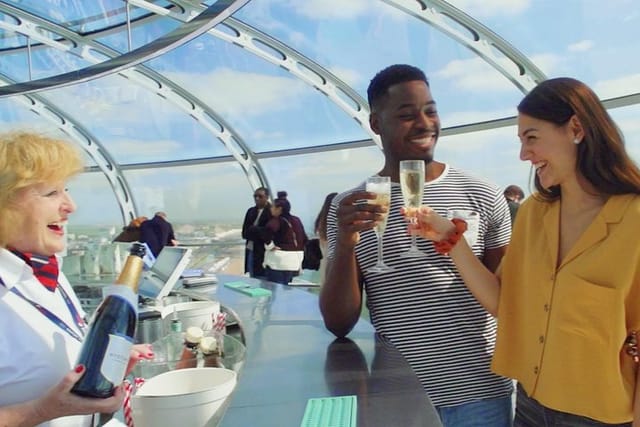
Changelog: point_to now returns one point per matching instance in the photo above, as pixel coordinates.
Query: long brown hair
(320, 226)
(602, 158)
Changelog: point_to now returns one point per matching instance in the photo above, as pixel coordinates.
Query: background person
(320, 226)
(131, 233)
(514, 196)
(423, 307)
(157, 233)
(38, 346)
(283, 258)
(253, 232)
(567, 294)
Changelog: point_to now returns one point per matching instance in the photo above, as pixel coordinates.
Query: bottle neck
(130, 274)
(176, 326)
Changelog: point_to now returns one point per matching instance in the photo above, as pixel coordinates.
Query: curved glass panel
(135, 124)
(357, 41)
(96, 204)
(84, 16)
(142, 33)
(592, 41)
(47, 62)
(627, 119)
(256, 98)
(308, 178)
(268, 107)
(216, 192)
(16, 116)
(493, 155)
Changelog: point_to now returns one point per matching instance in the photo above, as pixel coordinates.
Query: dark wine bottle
(105, 350)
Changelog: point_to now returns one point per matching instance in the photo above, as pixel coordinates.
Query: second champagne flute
(381, 185)
(412, 184)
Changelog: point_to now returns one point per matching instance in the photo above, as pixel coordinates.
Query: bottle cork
(211, 353)
(189, 356)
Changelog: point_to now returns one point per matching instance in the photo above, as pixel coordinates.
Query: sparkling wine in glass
(412, 184)
(381, 185)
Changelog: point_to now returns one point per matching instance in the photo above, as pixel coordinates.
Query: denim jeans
(530, 413)
(480, 413)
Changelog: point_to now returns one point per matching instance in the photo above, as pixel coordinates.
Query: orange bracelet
(444, 246)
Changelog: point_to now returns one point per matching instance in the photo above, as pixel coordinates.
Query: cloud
(493, 155)
(620, 86)
(257, 134)
(348, 75)
(485, 8)
(140, 149)
(329, 9)
(581, 46)
(546, 62)
(235, 92)
(476, 75)
(476, 116)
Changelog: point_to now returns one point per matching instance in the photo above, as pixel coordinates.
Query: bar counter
(291, 358)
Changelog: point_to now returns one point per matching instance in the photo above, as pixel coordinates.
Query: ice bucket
(195, 397)
(194, 313)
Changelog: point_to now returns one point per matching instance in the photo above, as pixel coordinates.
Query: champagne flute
(412, 184)
(381, 185)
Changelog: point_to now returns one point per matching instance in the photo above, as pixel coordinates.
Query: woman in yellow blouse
(567, 294)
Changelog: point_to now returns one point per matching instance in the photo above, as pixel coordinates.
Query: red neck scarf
(44, 268)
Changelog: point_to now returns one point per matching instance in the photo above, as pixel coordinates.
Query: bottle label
(116, 359)
(122, 292)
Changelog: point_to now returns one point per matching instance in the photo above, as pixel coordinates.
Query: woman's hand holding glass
(427, 223)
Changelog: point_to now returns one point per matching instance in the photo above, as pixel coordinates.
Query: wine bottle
(175, 340)
(106, 348)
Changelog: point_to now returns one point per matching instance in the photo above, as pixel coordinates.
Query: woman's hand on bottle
(60, 402)
(427, 223)
(139, 352)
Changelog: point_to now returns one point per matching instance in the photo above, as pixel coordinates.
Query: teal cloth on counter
(338, 411)
(248, 289)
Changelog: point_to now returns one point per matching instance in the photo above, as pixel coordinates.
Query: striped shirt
(423, 307)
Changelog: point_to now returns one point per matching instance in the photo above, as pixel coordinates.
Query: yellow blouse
(561, 330)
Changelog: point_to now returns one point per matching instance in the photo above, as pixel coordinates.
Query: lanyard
(80, 323)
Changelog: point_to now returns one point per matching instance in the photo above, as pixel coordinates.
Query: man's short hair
(392, 75)
(265, 189)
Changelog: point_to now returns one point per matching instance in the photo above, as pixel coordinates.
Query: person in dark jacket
(131, 233)
(157, 233)
(286, 243)
(253, 232)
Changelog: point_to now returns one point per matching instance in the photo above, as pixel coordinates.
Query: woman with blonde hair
(43, 322)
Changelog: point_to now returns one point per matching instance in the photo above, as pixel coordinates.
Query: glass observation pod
(186, 107)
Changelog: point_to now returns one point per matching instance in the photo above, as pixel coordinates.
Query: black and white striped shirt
(423, 307)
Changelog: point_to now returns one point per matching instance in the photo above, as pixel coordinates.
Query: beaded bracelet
(631, 346)
(444, 246)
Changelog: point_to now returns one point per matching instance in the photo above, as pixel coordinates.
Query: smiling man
(422, 306)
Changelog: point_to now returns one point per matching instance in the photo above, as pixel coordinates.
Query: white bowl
(194, 313)
(186, 397)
